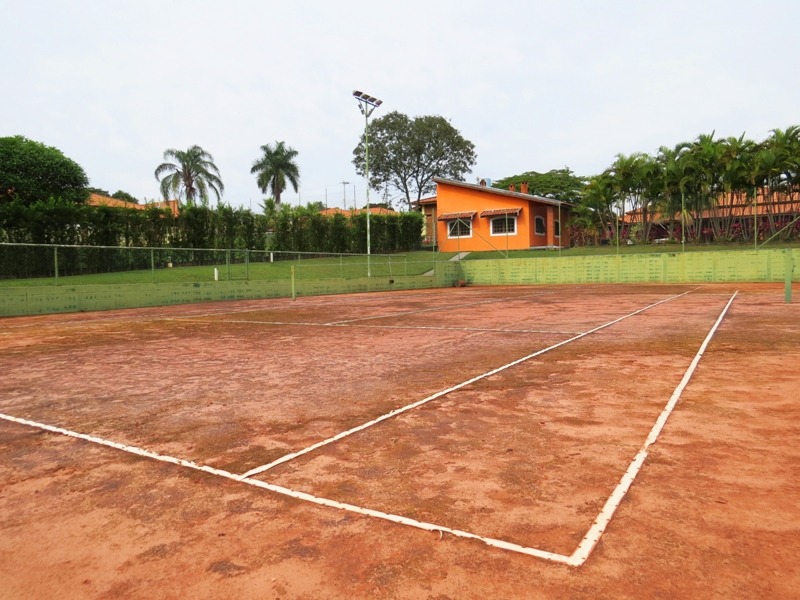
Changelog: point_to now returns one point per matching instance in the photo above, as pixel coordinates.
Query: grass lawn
(338, 267)
(348, 266)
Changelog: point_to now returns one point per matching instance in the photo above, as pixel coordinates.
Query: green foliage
(406, 154)
(191, 175)
(98, 191)
(125, 196)
(698, 191)
(57, 222)
(31, 172)
(274, 168)
(560, 184)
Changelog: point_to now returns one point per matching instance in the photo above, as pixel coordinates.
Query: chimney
(523, 188)
(511, 188)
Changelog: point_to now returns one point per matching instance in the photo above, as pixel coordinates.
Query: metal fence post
(153, 263)
(55, 261)
(247, 265)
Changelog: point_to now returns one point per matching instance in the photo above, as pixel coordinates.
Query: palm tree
(707, 156)
(629, 175)
(593, 211)
(677, 171)
(777, 164)
(191, 175)
(275, 168)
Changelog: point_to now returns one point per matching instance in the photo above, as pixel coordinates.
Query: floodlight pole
(344, 194)
(366, 105)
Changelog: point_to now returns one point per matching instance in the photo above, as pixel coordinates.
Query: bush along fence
(287, 229)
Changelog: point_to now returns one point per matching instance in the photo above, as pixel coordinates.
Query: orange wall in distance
(455, 199)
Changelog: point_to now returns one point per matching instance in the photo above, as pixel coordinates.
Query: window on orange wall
(505, 225)
(558, 228)
(538, 224)
(460, 228)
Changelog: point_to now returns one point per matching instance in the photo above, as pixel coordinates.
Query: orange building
(98, 200)
(465, 217)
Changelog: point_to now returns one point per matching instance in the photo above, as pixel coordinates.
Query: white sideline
(441, 393)
(552, 556)
(591, 538)
(576, 559)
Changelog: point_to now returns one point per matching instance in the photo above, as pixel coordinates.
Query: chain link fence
(46, 264)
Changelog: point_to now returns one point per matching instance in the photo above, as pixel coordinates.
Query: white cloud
(535, 86)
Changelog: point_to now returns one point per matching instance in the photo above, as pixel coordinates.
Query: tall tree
(777, 166)
(275, 168)
(191, 175)
(677, 176)
(631, 176)
(561, 184)
(406, 154)
(31, 172)
(594, 212)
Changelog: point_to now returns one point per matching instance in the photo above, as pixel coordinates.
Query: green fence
(48, 279)
(45, 264)
(668, 267)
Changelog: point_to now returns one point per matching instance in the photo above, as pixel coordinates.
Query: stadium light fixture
(367, 104)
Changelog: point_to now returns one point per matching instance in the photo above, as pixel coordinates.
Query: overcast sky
(534, 85)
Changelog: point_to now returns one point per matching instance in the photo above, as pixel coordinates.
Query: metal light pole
(366, 105)
(344, 195)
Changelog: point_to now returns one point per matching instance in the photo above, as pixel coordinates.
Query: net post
(55, 261)
(294, 291)
(789, 269)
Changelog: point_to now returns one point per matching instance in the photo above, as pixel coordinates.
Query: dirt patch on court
(528, 455)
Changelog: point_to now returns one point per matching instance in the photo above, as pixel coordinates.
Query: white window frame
(452, 222)
(512, 220)
(536, 222)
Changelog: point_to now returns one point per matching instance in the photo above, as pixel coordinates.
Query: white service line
(344, 325)
(591, 538)
(441, 393)
(552, 556)
(425, 310)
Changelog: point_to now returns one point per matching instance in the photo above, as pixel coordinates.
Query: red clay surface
(528, 455)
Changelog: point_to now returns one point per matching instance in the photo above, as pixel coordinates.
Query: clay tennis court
(506, 442)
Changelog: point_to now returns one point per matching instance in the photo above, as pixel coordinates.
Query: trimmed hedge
(291, 229)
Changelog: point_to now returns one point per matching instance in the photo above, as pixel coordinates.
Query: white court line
(425, 310)
(336, 301)
(441, 393)
(552, 556)
(591, 538)
(346, 325)
(576, 559)
(476, 329)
